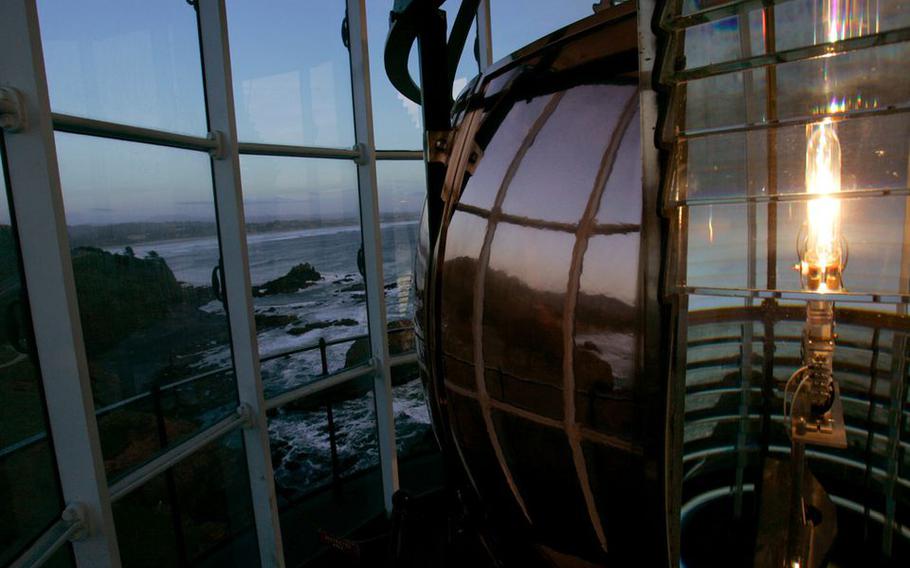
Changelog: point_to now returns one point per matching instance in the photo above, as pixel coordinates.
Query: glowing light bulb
(822, 249)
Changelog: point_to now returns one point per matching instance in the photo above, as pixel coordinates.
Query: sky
(137, 62)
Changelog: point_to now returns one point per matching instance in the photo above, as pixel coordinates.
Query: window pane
(133, 62)
(141, 220)
(198, 513)
(29, 490)
(517, 23)
(402, 191)
(316, 492)
(413, 434)
(398, 121)
(303, 231)
(292, 84)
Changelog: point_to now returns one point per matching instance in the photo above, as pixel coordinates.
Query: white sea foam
(300, 439)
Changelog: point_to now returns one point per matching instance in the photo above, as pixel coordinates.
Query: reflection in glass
(401, 198)
(141, 221)
(413, 434)
(133, 62)
(522, 349)
(607, 327)
(459, 271)
(303, 233)
(197, 513)
(402, 192)
(515, 128)
(620, 203)
(326, 457)
(29, 490)
(291, 87)
(578, 163)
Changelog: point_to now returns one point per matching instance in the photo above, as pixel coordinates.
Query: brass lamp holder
(818, 417)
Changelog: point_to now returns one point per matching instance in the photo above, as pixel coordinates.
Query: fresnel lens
(788, 127)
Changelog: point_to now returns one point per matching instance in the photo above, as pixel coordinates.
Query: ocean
(335, 308)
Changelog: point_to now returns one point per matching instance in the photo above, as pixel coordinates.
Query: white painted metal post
(229, 199)
(38, 206)
(372, 247)
(484, 35)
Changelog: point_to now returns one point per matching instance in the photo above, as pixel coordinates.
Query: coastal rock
(120, 294)
(299, 277)
(266, 321)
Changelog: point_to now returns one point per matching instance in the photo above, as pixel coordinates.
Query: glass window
(413, 433)
(518, 23)
(132, 62)
(292, 85)
(402, 191)
(303, 231)
(398, 121)
(198, 513)
(29, 490)
(326, 457)
(141, 221)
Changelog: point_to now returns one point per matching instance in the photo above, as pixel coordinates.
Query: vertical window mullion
(38, 205)
(484, 35)
(372, 247)
(237, 282)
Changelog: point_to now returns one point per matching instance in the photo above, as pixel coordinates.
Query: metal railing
(64, 530)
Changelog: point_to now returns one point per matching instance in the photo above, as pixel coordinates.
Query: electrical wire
(796, 394)
(795, 374)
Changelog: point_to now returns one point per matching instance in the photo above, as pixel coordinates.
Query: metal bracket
(218, 151)
(363, 154)
(13, 115)
(439, 144)
(76, 517)
(246, 413)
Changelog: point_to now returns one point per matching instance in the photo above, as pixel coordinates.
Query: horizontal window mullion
(116, 131)
(790, 122)
(319, 385)
(161, 463)
(291, 151)
(670, 77)
(672, 20)
(391, 155)
(52, 540)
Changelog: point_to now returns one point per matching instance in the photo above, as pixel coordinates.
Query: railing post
(330, 419)
(236, 276)
(372, 247)
(37, 204)
(333, 447)
(170, 481)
